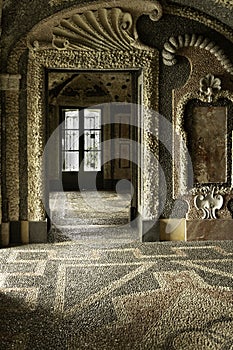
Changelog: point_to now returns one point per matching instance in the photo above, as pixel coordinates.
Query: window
(92, 139)
(81, 140)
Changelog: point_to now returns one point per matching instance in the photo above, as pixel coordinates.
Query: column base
(23, 232)
(5, 234)
(172, 229)
(195, 230)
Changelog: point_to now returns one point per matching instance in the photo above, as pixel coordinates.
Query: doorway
(97, 125)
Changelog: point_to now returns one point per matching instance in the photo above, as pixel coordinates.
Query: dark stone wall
(219, 9)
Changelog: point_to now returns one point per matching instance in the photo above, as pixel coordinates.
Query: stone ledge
(209, 230)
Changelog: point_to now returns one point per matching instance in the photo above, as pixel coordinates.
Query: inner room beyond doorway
(77, 216)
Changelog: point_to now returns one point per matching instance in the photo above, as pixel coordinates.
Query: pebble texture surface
(71, 295)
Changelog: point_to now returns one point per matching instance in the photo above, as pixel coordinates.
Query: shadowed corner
(24, 324)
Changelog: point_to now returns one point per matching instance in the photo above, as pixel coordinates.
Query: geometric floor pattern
(165, 295)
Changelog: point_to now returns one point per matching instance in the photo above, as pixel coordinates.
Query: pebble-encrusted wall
(172, 78)
(25, 128)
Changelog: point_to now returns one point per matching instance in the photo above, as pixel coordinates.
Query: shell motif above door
(102, 26)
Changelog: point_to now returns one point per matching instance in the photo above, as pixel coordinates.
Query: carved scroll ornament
(174, 44)
(209, 203)
(103, 29)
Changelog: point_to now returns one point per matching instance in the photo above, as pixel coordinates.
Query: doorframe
(135, 74)
(147, 61)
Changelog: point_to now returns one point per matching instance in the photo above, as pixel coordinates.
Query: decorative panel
(209, 144)
(125, 127)
(124, 155)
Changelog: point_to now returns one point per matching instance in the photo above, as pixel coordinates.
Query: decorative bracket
(208, 203)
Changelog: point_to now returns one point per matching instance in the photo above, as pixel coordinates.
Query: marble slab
(204, 230)
(209, 144)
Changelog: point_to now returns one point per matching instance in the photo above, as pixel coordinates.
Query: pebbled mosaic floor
(135, 296)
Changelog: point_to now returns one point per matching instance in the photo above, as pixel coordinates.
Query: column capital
(9, 82)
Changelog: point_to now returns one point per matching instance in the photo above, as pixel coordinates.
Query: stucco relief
(110, 26)
(104, 29)
(174, 44)
(209, 202)
(200, 52)
(209, 86)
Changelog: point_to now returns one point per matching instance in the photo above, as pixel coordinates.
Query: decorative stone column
(9, 85)
(1, 4)
(9, 82)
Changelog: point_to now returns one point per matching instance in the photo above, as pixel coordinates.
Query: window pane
(92, 161)
(72, 119)
(70, 140)
(92, 140)
(92, 118)
(70, 161)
